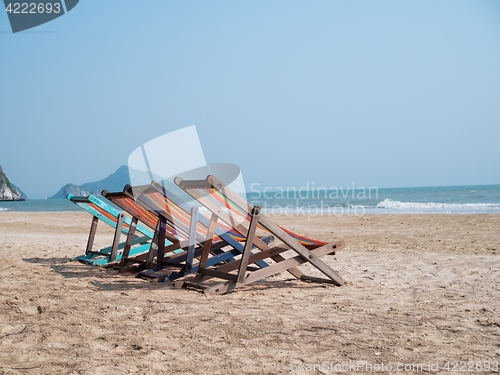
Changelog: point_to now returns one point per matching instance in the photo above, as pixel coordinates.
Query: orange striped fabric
(219, 198)
(147, 217)
(178, 220)
(104, 213)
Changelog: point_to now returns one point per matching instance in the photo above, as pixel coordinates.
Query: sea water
(418, 200)
(477, 199)
(39, 205)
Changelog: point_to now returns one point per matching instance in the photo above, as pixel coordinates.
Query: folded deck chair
(213, 194)
(117, 220)
(182, 225)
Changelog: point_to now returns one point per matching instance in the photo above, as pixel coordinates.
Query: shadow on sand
(110, 279)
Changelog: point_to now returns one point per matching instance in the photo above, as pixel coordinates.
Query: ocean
(417, 200)
(476, 199)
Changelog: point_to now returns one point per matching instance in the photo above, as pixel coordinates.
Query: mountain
(73, 189)
(24, 196)
(9, 191)
(114, 182)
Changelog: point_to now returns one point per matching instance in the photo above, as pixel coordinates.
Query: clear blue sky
(379, 93)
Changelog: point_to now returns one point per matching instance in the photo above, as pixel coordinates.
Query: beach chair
(173, 220)
(117, 220)
(213, 194)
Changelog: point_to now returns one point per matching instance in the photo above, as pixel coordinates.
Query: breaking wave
(389, 203)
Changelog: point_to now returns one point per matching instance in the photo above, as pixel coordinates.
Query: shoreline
(76, 210)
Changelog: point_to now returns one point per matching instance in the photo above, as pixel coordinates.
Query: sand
(421, 290)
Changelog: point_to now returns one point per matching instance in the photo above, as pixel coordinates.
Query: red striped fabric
(174, 214)
(219, 198)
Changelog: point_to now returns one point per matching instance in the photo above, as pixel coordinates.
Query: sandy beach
(420, 290)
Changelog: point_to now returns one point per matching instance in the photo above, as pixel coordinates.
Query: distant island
(9, 191)
(114, 182)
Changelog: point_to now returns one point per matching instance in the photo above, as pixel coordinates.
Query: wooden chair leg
(128, 243)
(154, 246)
(160, 251)
(192, 239)
(93, 229)
(118, 232)
(255, 215)
(208, 242)
(301, 250)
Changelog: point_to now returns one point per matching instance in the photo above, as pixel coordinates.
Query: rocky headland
(9, 191)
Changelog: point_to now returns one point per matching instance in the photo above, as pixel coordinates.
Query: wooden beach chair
(117, 220)
(183, 226)
(213, 194)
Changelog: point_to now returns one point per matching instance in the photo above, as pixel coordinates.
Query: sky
(339, 93)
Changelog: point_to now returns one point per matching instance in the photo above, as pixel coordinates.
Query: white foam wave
(389, 203)
(4, 209)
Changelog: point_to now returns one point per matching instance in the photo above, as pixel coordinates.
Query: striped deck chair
(117, 220)
(214, 194)
(186, 229)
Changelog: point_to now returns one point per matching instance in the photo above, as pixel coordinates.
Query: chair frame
(117, 220)
(167, 267)
(244, 274)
